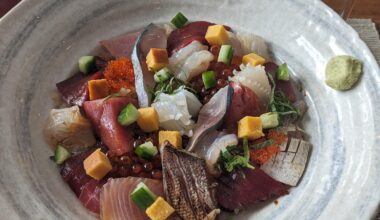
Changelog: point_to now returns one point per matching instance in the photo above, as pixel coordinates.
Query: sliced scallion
(86, 64)
(179, 20)
(225, 54)
(209, 79)
(283, 72)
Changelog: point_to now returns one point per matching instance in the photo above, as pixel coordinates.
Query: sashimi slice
(244, 103)
(195, 64)
(103, 115)
(179, 58)
(115, 199)
(85, 188)
(246, 187)
(122, 45)
(74, 90)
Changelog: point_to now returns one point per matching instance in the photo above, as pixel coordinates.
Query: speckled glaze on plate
(41, 40)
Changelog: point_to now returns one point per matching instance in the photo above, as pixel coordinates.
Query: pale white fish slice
(254, 78)
(179, 58)
(251, 43)
(194, 65)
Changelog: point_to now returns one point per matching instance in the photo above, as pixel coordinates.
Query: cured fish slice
(186, 184)
(211, 115)
(122, 45)
(154, 36)
(289, 164)
(116, 202)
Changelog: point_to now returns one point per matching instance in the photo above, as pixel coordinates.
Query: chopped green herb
(209, 79)
(179, 20)
(86, 64)
(128, 115)
(170, 86)
(232, 157)
(279, 103)
(225, 54)
(283, 72)
(142, 196)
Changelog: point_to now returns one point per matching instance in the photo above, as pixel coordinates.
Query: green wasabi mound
(342, 72)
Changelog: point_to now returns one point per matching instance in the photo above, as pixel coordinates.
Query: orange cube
(97, 165)
(157, 59)
(98, 89)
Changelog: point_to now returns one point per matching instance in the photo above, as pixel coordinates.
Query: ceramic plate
(40, 43)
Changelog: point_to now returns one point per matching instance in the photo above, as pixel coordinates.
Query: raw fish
(179, 58)
(153, 36)
(186, 184)
(122, 45)
(116, 202)
(195, 64)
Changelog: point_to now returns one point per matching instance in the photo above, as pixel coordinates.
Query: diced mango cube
(97, 165)
(253, 59)
(216, 35)
(157, 59)
(174, 138)
(148, 119)
(250, 127)
(98, 89)
(159, 210)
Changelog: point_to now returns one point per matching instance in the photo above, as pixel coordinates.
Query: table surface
(362, 8)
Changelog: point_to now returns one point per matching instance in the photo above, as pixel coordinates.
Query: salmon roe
(119, 74)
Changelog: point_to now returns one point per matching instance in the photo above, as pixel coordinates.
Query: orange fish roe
(261, 156)
(278, 137)
(119, 74)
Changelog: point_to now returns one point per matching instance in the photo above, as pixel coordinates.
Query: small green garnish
(209, 79)
(170, 86)
(86, 64)
(225, 54)
(162, 75)
(146, 150)
(128, 115)
(283, 72)
(279, 103)
(61, 154)
(142, 196)
(179, 20)
(269, 120)
(232, 157)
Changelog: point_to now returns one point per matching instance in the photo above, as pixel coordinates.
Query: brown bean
(126, 160)
(221, 83)
(157, 174)
(148, 166)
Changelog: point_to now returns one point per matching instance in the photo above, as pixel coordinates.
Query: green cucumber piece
(179, 20)
(269, 120)
(283, 72)
(142, 196)
(209, 79)
(225, 54)
(146, 150)
(128, 115)
(86, 64)
(61, 154)
(162, 75)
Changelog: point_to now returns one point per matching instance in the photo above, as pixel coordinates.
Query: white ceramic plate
(41, 40)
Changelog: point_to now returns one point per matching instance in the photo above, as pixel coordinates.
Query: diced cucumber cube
(146, 150)
(283, 72)
(162, 75)
(179, 20)
(142, 196)
(269, 120)
(61, 154)
(128, 115)
(86, 64)
(209, 79)
(225, 54)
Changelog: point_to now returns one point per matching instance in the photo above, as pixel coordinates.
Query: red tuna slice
(116, 202)
(181, 37)
(103, 116)
(244, 103)
(285, 86)
(85, 188)
(74, 90)
(90, 195)
(246, 187)
(121, 46)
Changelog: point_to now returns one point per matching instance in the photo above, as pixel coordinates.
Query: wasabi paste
(342, 72)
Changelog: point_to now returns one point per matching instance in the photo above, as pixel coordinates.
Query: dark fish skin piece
(186, 184)
(246, 187)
